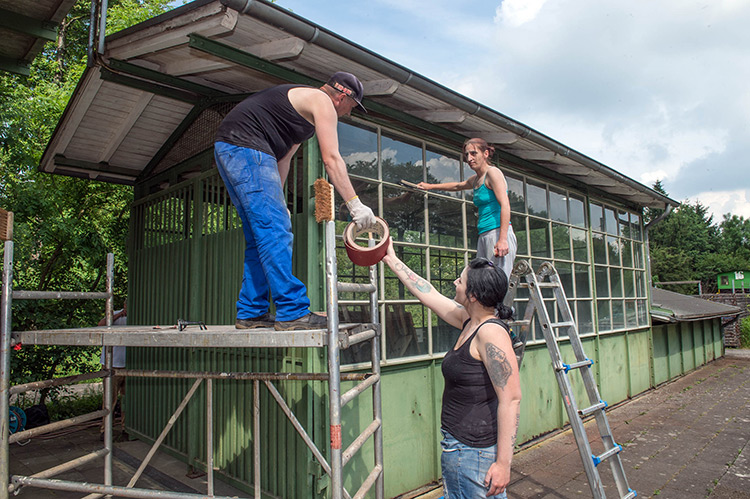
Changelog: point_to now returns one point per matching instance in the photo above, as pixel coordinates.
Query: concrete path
(686, 439)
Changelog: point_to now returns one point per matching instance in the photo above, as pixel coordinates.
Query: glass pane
(353, 314)
(635, 221)
(444, 335)
(515, 194)
(565, 271)
(558, 206)
(628, 282)
(577, 212)
(471, 226)
(610, 221)
(441, 169)
(348, 272)
(585, 320)
(401, 161)
(624, 221)
(467, 172)
(405, 330)
(445, 267)
(600, 250)
(615, 281)
(627, 252)
(583, 283)
(604, 315)
(561, 241)
(630, 318)
(618, 314)
(414, 258)
(601, 281)
(642, 313)
(580, 245)
(359, 148)
(613, 248)
(446, 222)
(597, 217)
(519, 228)
(405, 214)
(640, 283)
(536, 199)
(638, 255)
(539, 238)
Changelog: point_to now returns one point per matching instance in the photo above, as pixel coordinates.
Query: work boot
(309, 321)
(264, 321)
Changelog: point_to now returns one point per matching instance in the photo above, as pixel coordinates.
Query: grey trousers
(486, 249)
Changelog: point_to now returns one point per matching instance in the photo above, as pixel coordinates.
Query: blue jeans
(254, 186)
(464, 469)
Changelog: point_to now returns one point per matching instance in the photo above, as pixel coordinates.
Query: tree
(63, 226)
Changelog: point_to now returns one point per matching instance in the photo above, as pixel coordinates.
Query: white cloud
(517, 12)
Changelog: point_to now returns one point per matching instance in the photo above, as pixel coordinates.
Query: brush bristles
(323, 201)
(6, 225)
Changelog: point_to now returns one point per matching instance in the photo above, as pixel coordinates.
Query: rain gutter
(312, 33)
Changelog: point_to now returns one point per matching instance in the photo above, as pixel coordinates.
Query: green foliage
(688, 245)
(745, 333)
(66, 405)
(63, 226)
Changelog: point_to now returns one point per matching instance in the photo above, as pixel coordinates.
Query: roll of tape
(363, 256)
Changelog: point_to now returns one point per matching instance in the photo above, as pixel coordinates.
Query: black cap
(348, 84)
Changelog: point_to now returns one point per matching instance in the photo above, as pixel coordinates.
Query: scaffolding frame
(336, 337)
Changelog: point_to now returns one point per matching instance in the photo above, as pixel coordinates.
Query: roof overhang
(671, 307)
(25, 26)
(155, 77)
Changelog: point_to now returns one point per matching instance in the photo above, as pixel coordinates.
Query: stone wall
(732, 331)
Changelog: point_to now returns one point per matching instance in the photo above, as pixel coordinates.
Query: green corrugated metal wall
(186, 258)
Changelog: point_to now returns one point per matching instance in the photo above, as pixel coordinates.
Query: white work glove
(362, 216)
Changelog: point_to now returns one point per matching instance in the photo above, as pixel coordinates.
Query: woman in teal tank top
(496, 242)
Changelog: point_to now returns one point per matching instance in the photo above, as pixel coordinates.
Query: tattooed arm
(447, 309)
(494, 348)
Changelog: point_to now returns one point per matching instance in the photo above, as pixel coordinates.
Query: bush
(745, 332)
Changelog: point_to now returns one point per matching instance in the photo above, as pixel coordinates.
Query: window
(619, 270)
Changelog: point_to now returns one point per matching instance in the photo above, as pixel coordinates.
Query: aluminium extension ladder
(546, 277)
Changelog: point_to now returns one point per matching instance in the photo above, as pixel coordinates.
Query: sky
(655, 89)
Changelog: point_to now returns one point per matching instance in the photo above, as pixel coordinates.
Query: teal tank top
(488, 216)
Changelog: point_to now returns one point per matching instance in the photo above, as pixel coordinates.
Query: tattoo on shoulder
(498, 366)
(419, 283)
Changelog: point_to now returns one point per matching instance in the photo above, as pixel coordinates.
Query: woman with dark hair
(496, 242)
(482, 395)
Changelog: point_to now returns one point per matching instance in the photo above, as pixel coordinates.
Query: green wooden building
(734, 282)
(145, 115)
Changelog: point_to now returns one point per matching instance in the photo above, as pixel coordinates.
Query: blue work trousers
(254, 186)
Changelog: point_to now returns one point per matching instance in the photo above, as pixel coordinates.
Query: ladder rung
(353, 287)
(575, 365)
(368, 382)
(589, 410)
(519, 323)
(607, 454)
(547, 285)
(630, 495)
(562, 324)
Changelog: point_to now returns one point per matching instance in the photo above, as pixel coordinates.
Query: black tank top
(469, 399)
(267, 122)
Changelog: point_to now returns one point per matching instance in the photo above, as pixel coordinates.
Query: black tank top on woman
(266, 121)
(469, 399)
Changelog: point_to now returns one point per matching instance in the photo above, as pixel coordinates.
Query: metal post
(5, 325)
(334, 383)
(107, 381)
(210, 436)
(102, 25)
(377, 412)
(256, 437)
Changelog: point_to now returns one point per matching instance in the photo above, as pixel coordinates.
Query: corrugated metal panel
(186, 262)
